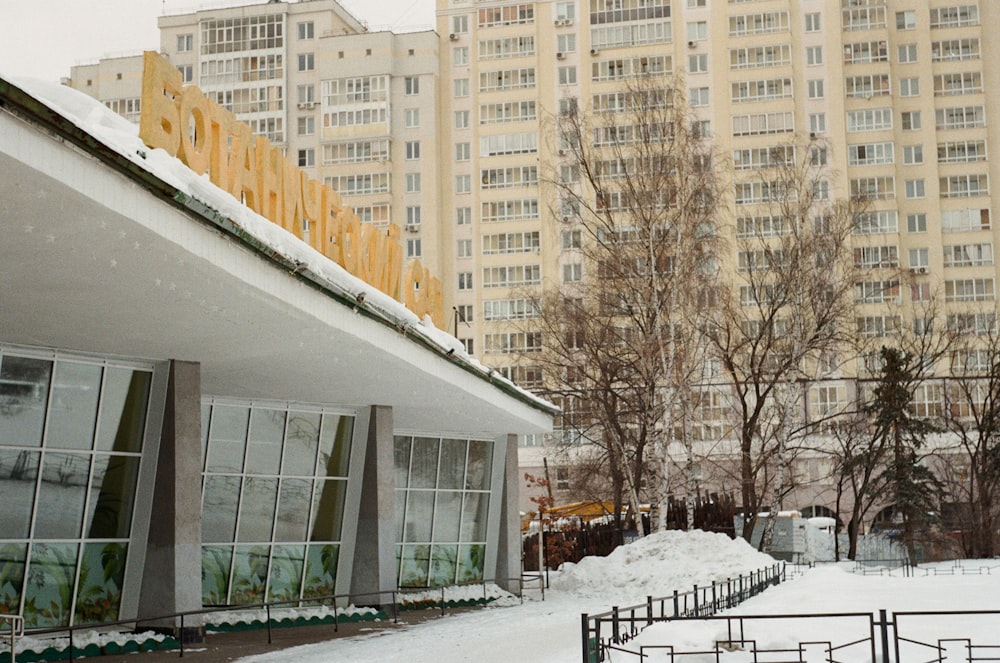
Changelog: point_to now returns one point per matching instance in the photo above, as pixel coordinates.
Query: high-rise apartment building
(453, 135)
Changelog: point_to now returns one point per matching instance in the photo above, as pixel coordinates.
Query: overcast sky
(44, 38)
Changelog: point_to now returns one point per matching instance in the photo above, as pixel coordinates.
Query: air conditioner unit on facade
(560, 55)
(307, 105)
(595, 51)
(412, 227)
(453, 37)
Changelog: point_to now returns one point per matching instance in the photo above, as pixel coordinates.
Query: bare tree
(638, 194)
(786, 301)
(972, 415)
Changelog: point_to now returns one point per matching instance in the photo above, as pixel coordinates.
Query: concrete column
(508, 569)
(171, 581)
(374, 574)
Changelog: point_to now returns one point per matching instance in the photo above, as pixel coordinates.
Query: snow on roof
(122, 137)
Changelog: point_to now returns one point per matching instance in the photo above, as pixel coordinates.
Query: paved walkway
(232, 646)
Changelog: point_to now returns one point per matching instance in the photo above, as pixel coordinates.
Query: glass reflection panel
(73, 409)
(480, 465)
(24, 391)
(12, 559)
(18, 471)
(321, 570)
(249, 574)
(293, 510)
(216, 562)
(335, 445)
(227, 438)
(285, 580)
(401, 460)
(413, 567)
(113, 488)
(443, 562)
(61, 496)
(328, 509)
(99, 591)
(267, 432)
(301, 443)
(218, 510)
(257, 509)
(474, 514)
(48, 592)
(123, 409)
(206, 417)
(447, 515)
(400, 513)
(424, 465)
(451, 473)
(419, 516)
(471, 559)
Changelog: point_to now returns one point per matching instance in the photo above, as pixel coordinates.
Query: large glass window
(275, 484)
(442, 503)
(71, 435)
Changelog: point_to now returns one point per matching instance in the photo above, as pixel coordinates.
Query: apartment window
(572, 272)
(955, 49)
(571, 239)
(412, 150)
(460, 24)
(465, 280)
(412, 118)
(413, 248)
(565, 11)
(461, 87)
(816, 89)
(187, 73)
(821, 190)
(909, 87)
(916, 223)
(305, 30)
(413, 183)
(567, 75)
(812, 22)
(968, 255)
(306, 94)
(961, 151)
(964, 186)
(566, 43)
(413, 216)
(914, 188)
(460, 55)
(919, 258)
(913, 154)
(872, 119)
(910, 120)
(463, 183)
(185, 43)
(307, 61)
(307, 126)
(969, 82)
(698, 64)
(814, 55)
(699, 96)
(464, 250)
(817, 123)
(907, 53)
(697, 4)
(463, 216)
(307, 158)
(968, 290)
(462, 119)
(962, 117)
(906, 20)
(411, 85)
(818, 156)
(954, 17)
(697, 30)
(463, 151)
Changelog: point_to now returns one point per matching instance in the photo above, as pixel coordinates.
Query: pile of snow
(658, 564)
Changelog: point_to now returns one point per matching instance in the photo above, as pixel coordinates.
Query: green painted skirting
(288, 622)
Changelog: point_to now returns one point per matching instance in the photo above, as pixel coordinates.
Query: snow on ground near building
(549, 631)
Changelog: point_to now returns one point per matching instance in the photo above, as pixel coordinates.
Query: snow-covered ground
(549, 631)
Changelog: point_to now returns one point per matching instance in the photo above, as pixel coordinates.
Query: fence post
(696, 600)
(614, 624)
(715, 605)
(267, 610)
(585, 630)
(884, 627)
(649, 611)
(181, 638)
(676, 604)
